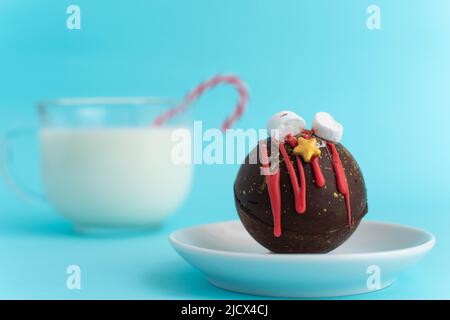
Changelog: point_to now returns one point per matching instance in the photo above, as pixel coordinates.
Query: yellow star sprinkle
(307, 148)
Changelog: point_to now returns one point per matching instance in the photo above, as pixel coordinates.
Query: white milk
(112, 177)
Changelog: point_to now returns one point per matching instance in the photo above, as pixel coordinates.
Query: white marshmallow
(326, 127)
(287, 122)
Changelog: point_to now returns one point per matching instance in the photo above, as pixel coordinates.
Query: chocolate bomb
(330, 215)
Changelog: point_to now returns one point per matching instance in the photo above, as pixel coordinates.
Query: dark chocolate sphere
(324, 225)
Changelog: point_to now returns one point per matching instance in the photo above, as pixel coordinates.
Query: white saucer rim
(413, 250)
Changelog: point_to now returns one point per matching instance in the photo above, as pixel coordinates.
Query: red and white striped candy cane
(200, 89)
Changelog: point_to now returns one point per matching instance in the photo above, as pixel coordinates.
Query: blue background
(390, 88)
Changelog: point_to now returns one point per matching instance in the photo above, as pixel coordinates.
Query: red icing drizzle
(273, 187)
(320, 179)
(302, 183)
(341, 180)
(291, 140)
(307, 134)
(299, 189)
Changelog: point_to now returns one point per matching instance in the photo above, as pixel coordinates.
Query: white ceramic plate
(232, 260)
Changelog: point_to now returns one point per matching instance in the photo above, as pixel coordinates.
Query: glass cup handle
(7, 151)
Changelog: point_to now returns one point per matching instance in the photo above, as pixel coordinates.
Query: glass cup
(104, 165)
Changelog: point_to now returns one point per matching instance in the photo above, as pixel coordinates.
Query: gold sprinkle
(335, 195)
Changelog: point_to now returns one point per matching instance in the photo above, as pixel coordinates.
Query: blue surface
(389, 88)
